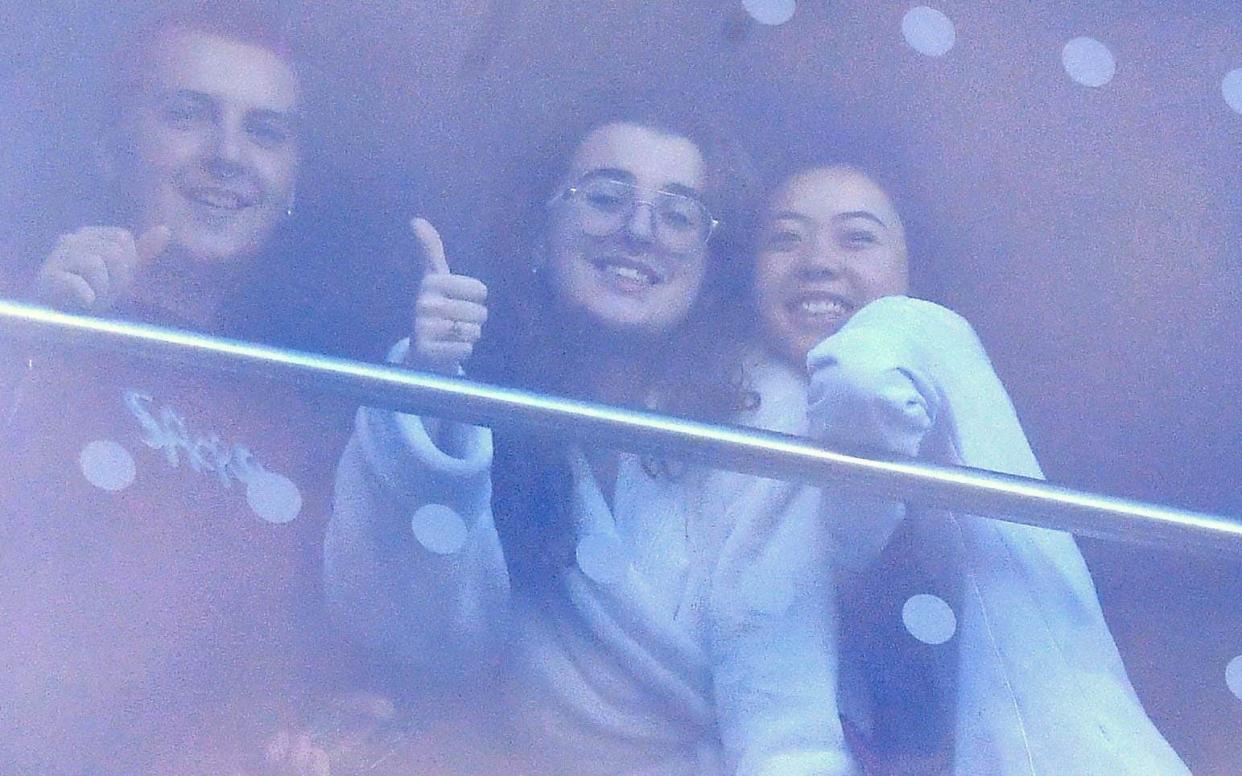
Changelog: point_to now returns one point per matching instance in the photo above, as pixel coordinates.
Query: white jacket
(693, 636)
(1040, 686)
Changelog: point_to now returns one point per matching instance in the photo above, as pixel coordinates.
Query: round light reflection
(1231, 89)
(770, 12)
(107, 465)
(602, 558)
(1233, 677)
(928, 31)
(929, 619)
(1088, 61)
(439, 528)
(273, 497)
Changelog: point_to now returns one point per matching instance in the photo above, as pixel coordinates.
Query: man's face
(214, 144)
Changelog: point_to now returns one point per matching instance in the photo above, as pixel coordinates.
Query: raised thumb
(432, 246)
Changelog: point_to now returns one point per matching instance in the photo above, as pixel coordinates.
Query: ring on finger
(458, 329)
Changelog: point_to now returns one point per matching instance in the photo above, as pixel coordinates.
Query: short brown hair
(248, 21)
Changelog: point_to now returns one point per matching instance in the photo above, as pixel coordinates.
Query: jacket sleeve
(908, 377)
(413, 566)
(1042, 687)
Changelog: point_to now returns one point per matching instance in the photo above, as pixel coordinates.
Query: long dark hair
(697, 372)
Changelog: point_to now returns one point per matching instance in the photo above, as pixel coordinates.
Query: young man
(161, 525)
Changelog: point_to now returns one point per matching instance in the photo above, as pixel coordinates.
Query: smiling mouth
(218, 199)
(817, 307)
(628, 273)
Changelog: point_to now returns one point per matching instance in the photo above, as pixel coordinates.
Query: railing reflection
(1004, 497)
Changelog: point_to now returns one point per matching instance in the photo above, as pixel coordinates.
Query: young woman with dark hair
(969, 645)
(620, 614)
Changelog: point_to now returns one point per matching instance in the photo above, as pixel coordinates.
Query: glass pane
(1063, 177)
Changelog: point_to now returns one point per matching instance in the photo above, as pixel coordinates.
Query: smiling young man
(161, 525)
(203, 154)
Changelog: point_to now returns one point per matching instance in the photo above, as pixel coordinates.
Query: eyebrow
(184, 94)
(865, 214)
(268, 114)
(789, 215)
(625, 176)
(608, 172)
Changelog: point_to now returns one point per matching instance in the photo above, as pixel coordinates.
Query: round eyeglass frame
(565, 193)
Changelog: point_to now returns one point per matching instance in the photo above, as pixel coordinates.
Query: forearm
(413, 566)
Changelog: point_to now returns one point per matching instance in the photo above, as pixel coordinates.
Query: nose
(822, 262)
(228, 151)
(640, 226)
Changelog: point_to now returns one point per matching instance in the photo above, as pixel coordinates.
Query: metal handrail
(768, 454)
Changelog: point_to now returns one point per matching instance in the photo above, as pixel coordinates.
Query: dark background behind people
(1094, 233)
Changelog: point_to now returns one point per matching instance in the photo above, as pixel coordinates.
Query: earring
(293, 198)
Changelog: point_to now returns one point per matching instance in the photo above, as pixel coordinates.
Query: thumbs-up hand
(449, 312)
(94, 268)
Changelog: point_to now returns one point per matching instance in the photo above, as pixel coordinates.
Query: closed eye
(678, 212)
(605, 201)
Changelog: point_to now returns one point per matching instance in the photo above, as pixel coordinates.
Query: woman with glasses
(619, 613)
(969, 645)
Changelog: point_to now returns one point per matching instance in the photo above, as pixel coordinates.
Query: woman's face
(830, 242)
(214, 144)
(642, 270)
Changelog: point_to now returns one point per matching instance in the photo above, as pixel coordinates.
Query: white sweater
(1041, 688)
(694, 635)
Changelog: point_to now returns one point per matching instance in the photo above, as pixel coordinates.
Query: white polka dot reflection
(603, 558)
(1231, 89)
(770, 12)
(107, 465)
(928, 31)
(1088, 61)
(929, 619)
(273, 497)
(439, 528)
(1233, 677)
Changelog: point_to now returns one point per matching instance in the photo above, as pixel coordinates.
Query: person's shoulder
(915, 314)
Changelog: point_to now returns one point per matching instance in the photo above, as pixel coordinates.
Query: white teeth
(821, 307)
(630, 273)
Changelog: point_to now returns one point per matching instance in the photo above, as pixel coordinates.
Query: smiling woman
(962, 638)
(617, 614)
(830, 243)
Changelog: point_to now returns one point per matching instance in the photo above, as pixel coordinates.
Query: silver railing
(780, 456)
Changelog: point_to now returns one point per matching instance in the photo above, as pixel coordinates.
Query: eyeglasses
(602, 206)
